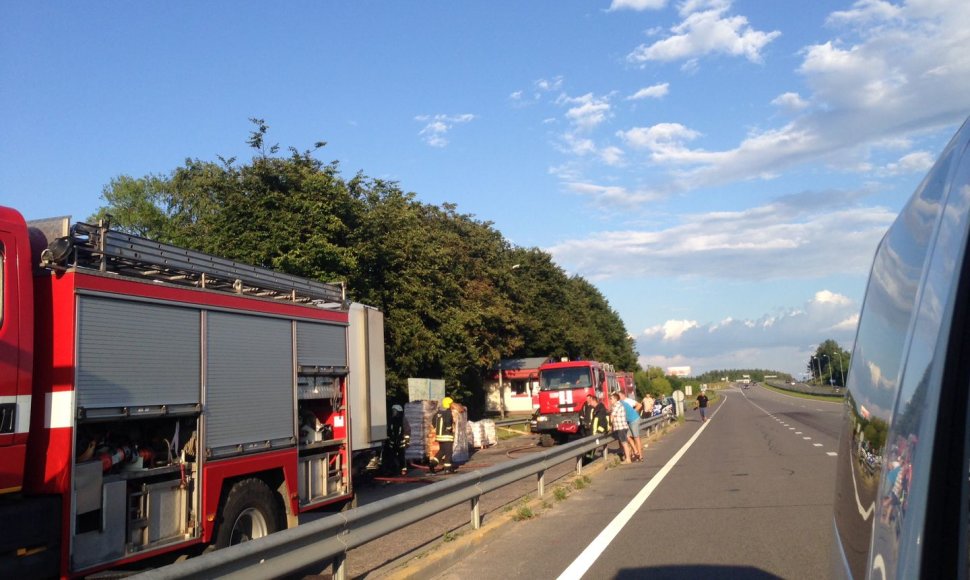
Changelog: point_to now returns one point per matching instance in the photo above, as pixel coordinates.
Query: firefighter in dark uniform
(397, 439)
(444, 428)
(593, 418)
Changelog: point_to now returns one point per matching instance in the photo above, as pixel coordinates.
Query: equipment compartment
(134, 486)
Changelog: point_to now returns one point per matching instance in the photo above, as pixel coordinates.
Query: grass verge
(825, 398)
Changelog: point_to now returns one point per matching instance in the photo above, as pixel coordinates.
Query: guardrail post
(339, 566)
(542, 482)
(476, 514)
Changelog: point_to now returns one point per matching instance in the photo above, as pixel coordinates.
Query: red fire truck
(153, 398)
(563, 387)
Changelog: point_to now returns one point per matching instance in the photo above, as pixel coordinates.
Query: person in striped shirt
(621, 428)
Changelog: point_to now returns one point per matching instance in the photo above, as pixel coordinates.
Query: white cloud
(588, 112)
(612, 195)
(826, 297)
(864, 12)
(549, 85)
(652, 92)
(790, 101)
(896, 72)
(706, 30)
(579, 146)
(612, 156)
(808, 235)
(437, 127)
(665, 141)
(638, 5)
(915, 162)
(779, 341)
(671, 330)
(849, 324)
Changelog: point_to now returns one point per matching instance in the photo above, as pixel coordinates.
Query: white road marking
(595, 549)
(865, 512)
(831, 453)
(798, 432)
(817, 444)
(807, 438)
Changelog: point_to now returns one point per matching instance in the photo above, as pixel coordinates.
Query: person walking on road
(633, 418)
(621, 429)
(702, 406)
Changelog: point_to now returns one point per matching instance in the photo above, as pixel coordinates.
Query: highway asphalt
(746, 495)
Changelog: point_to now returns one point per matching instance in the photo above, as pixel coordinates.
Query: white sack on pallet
(476, 435)
(488, 426)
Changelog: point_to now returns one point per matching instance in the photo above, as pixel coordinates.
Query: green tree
(453, 299)
(830, 363)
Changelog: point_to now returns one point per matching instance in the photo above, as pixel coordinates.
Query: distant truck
(902, 491)
(154, 398)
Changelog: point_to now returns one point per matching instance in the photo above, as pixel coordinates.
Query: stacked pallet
(417, 422)
(459, 453)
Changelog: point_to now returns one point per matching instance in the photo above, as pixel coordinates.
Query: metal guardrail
(308, 547)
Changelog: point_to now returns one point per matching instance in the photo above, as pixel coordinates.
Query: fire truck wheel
(250, 512)
(546, 440)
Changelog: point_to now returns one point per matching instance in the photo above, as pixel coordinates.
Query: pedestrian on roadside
(702, 406)
(648, 403)
(633, 418)
(621, 429)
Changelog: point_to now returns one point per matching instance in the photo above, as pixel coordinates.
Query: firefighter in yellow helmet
(444, 427)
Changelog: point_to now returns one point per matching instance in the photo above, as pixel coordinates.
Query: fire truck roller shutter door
(322, 345)
(249, 382)
(160, 364)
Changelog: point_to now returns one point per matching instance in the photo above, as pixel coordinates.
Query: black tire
(546, 440)
(251, 511)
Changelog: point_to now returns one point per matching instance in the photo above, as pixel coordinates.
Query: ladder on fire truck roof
(97, 247)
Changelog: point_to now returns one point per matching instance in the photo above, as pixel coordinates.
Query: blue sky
(721, 170)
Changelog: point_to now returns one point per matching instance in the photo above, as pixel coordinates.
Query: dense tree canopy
(456, 295)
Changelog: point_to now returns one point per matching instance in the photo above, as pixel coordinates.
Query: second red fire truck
(153, 398)
(563, 387)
